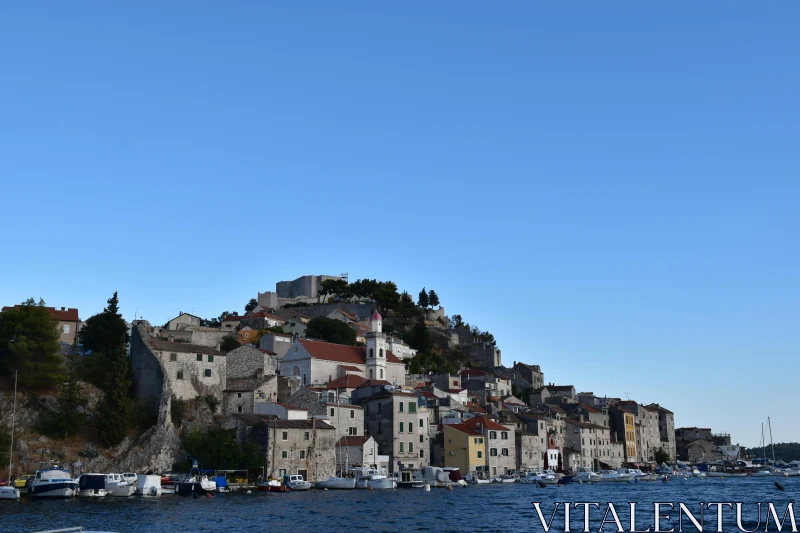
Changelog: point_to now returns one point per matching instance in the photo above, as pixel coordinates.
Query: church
(319, 362)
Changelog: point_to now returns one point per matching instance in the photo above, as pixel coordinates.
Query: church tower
(376, 348)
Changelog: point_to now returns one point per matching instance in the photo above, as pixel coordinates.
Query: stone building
(261, 320)
(530, 448)
(241, 394)
(399, 423)
(183, 319)
(501, 452)
(666, 428)
(276, 343)
(531, 373)
(248, 361)
(623, 429)
(593, 444)
(685, 437)
(186, 371)
(304, 447)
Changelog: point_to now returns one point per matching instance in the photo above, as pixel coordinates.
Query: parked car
(22, 481)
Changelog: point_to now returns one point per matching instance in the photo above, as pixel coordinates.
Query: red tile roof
(488, 423)
(340, 352)
(353, 441)
(475, 407)
(428, 395)
(472, 372)
(231, 318)
(590, 408)
(463, 428)
(62, 315)
(350, 381)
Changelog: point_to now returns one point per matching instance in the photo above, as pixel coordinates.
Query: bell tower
(376, 348)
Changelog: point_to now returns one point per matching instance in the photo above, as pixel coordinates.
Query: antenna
(345, 277)
(628, 394)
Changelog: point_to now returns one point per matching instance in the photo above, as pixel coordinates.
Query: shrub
(177, 411)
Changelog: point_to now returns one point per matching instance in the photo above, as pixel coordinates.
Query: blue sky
(611, 190)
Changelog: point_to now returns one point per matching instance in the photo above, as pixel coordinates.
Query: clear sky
(610, 189)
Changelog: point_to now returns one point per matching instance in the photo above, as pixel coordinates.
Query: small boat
(147, 485)
(222, 484)
(272, 485)
(8, 492)
(620, 475)
(297, 482)
(197, 483)
(92, 486)
(122, 485)
(53, 482)
(475, 479)
(370, 478)
(585, 475)
(507, 478)
(410, 478)
(538, 478)
(763, 472)
(455, 476)
(336, 483)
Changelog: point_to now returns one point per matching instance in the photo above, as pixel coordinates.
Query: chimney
(62, 309)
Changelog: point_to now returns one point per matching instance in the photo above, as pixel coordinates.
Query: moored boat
(586, 475)
(272, 485)
(297, 482)
(336, 483)
(370, 478)
(53, 482)
(538, 478)
(410, 478)
(92, 486)
(122, 485)
(148, 485)
(197, 483)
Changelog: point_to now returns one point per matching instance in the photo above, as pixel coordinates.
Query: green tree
(661, 456)
(229, 343)
(115, 412)
(420, 338)
(71, 400)
(423, 299)
(252, 304)
(415, 365)
(29, 342)
(433, 298)
(218, 448)
(386, 296)
(103, 335)
(328, 329)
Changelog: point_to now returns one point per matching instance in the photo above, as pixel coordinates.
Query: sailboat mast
(13, 420)
(769, 423)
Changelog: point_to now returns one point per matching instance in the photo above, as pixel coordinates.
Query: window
(380, 408)
(284, 454)
(422, 422)
(238, 394)
(421, 453)
(401, 446)
(330, 378)
(401, 427)
(210, 358)
(504, 452)
(352, 413)
(179, 375)
(492, 434)
(493, 452)
(371, 353)
(207, 373)
(380, 372)
(331, 397)
(261, 394)
(411, 427)
(504, 435)
(480, 454)
(285, 435)
(410, 447)
(371, 374)
(302, 454)
(173, 357)
(65, 328)
(380, 427)
(239, 409)
(421, 439)
(351, 431)
(306, 435)
(412, 407)
(332, 411)
(401, 407)
(199, 357)
(380, 352)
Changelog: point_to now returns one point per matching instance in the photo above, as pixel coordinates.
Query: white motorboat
(539, 477)
(92, 486)
(122, 485)
(370, 478)
(198, 483)
(53, 482)
(296, 482)
(9, 493)
(336, 483)
(620, 475)
(474, 479)
(763, 472)
(455, 476)
(585, 475)
(148, 485)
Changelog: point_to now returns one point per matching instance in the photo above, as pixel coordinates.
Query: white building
(319, 362)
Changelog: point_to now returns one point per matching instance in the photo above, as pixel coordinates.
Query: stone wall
(148, 372)
(247, 361)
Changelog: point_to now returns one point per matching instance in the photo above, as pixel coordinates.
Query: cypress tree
(115, 411)
(69, 417)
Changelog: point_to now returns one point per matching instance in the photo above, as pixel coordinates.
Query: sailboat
(10, 492)
(764, 470)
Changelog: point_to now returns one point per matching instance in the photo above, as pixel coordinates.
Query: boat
(475, 479)
(586, 475)
(455, 476)
(197, 483)
(370, 478)
(92, 486)
(53, 482)
(507, 478)
(297, 482)
(620, 475)
(122, 485)
(148, 485)
(272, 485)
(10, 491)
(539, 478)
(336, 483)
(410, 478)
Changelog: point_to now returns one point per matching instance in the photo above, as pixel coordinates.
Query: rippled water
(477, 508)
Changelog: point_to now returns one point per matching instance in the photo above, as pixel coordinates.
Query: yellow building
(464, 448)
(630, 435)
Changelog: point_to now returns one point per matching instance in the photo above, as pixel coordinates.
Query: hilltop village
(322, 375)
